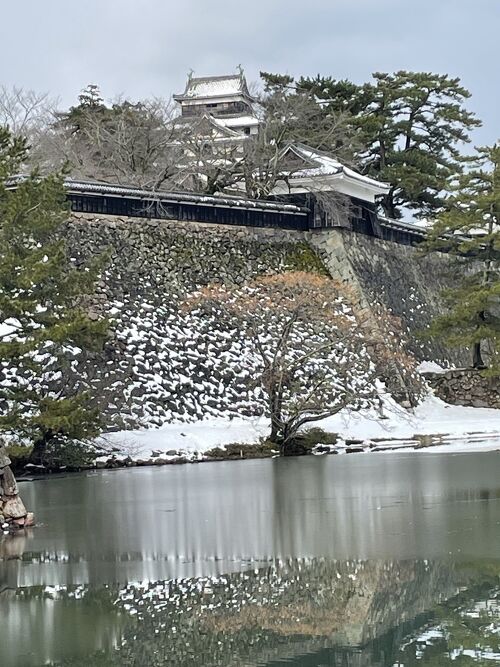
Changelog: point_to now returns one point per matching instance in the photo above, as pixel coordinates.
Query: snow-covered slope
(462, 430)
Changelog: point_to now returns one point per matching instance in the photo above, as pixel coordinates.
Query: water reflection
(297, 612)
(371, 561)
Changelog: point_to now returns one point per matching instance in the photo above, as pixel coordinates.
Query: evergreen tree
(91, 96)
(289, 116)
(90, 108)
(292, 114)
(43, 324)
(469, 228)
(411, 125)
(337, 95)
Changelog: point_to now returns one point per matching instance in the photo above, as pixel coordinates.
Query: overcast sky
(142, 48)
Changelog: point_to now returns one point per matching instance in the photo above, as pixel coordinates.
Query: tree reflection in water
(299, 612)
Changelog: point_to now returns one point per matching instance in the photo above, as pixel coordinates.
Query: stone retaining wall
(161, 364)
(164, 364)
(466, 387)
(398, 277)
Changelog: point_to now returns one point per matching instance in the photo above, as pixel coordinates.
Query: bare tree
(308, 347)
(25, 112)
(210, 159)
(148, 145)
(285, 121)
(131, 144)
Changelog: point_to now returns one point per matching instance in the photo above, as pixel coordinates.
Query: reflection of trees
(462, 631)
(13, 546)
(291, 488)
(44, 623)
(11, 550)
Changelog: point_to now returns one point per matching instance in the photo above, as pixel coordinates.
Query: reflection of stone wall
(466, 387)
(308, 612)
(320, 611)
(310, 608)
(349, 602)
(313, 608)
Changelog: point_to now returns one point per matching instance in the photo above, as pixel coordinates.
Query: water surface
(360, 561)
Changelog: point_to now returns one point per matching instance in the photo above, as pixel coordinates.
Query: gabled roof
(211, 121)
(317, 164)
(214, 86)
(220, 124)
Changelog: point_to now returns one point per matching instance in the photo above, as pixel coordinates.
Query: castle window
(357, 212)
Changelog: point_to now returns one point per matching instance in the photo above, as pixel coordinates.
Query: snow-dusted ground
(430, 367)
(462, 428)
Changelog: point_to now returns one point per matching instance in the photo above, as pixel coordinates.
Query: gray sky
(142, 48)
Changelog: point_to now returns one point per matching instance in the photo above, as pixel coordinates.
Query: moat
(366, 561)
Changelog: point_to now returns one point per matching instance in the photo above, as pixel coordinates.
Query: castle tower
(225, 98)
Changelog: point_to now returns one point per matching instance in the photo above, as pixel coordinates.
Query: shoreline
(433, 426)
(477, 442)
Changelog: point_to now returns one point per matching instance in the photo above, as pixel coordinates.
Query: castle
(163, 246)
(227, 108)
(225, 103)
(224, 100)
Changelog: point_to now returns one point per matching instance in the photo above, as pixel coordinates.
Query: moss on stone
(302, 257)
(318, 436)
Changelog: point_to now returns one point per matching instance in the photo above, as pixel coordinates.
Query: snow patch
(431, 417)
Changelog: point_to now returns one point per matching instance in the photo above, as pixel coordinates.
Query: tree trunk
(275, 413)
(286, 438)
(274, 431)
(37, 455)
(388, 205)
(477, 359)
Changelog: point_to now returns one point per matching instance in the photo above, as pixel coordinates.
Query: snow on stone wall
(165, 364)
(467, 387)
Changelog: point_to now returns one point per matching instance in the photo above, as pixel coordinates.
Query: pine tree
(411, 125)
(89, 110)
(91, 96)
(43, 324)
(469, 228)
(293, 114)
